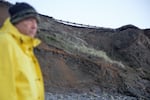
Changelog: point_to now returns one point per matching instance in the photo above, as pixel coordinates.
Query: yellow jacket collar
(23, 39)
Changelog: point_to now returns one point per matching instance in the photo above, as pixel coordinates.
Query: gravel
(86, 96)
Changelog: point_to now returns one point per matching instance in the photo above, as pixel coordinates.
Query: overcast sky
(102, 13)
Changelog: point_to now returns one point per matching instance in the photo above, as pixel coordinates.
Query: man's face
(28, 26)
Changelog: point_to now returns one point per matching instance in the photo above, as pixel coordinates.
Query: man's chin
(32, 34)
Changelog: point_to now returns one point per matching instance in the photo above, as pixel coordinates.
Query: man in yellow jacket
(20, 74)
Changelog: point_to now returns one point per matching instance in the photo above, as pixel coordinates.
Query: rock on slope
(80, 58)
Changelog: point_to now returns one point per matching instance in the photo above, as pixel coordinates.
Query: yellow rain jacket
(20, 74)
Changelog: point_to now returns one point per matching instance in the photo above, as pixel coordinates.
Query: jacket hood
(25, 40)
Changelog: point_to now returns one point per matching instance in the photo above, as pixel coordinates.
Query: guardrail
(76, 24)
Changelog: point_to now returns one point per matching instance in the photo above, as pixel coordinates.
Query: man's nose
(34, 24)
